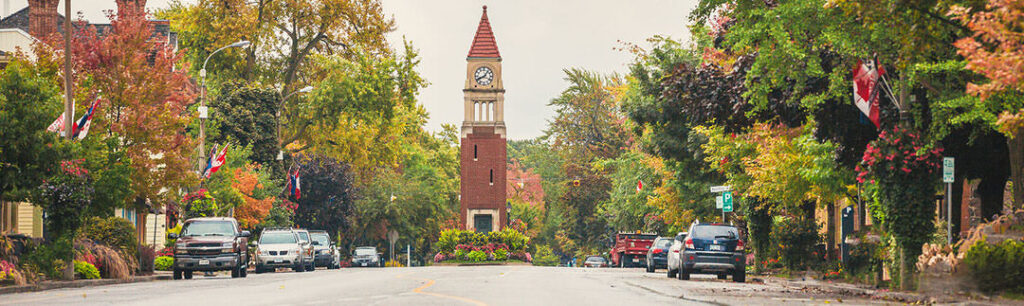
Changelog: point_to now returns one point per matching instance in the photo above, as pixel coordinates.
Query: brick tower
(483, 155)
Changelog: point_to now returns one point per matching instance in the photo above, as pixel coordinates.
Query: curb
(50, 285)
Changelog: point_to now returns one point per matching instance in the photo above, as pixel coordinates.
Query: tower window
(474, 152)
(492, 176)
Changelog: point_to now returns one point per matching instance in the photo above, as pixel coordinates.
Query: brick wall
(42, 20)
(477, 189)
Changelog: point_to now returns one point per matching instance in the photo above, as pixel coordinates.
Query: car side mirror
(244, 234)
(172, 236)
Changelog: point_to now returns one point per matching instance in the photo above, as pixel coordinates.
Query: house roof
(20, 20)
(483, 43)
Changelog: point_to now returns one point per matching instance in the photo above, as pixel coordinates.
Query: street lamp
(203, 112)
(280, 106)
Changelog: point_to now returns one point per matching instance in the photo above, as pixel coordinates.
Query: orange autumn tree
(252, 211)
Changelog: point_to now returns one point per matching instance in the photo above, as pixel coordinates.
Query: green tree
(28, 104)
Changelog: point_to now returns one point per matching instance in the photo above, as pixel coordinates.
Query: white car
(673, 261)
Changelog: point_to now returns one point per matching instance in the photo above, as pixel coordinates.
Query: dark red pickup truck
(631, 249)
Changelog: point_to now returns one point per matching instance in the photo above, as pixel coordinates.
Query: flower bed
(469, 246)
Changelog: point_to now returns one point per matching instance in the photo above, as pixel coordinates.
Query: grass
(1013, 296)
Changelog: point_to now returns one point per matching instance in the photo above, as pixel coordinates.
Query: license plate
(278, 260)
(364, 264)
(204, 262)
(717, 248)
(636, 259)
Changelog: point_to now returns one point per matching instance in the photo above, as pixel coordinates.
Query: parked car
(279, 248)
(713, 248)
(325, 254)
(596, 262)
(307, 249)
(366, 256)
(658, 254)
(630, 249)
(672, 261)
(210, 244)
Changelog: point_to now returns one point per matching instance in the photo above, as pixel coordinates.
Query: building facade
(483, 147)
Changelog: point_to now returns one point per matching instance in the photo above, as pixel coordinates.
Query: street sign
(718, 202)
(727, 201)
(947, 169)
(720, 188)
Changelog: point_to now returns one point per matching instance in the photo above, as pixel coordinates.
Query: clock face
(483, 76)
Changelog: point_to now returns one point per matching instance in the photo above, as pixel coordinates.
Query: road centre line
(431, 282)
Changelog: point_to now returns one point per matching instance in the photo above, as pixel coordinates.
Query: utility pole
(69, 110)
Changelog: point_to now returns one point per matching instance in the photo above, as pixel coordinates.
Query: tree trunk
(1015, 144)
(905, 273)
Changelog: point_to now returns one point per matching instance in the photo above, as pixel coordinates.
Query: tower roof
(483, 43)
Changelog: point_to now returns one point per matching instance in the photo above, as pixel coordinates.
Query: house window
(492, 176)
(474, 152)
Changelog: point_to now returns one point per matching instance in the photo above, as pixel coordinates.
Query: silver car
(279, 248)
(366, 257)
(307, 249)
(672, 263)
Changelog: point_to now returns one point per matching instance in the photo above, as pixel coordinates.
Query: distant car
(279, 248)
(596, 262)
(672, 261)
(210, 244)
(325, 254)
(307, 249)
(366, 256)
(657, 255)
(713, 248)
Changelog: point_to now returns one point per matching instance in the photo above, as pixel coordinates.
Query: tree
(327, 194)
(28, 104)
(248, 115)
(586, 123)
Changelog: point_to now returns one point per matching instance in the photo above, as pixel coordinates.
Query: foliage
(627, 208)
(163, 263)
(64, 197)
(85, 270)
(477, 256)
(110, 261)
(327, 194)
(997, 267)
(115, 232)
(796, 239)
(48, 259)
(146, 257)
(199, 204)
(248, 115)
(7, 270)
(545, 257)
(500, 254)
(451, 240)
(111, 170)
(27, 106)
(257, 190)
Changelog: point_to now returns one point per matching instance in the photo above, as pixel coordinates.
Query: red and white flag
(865, 88)
(57, 126)
(639, 185)
(216, 162)
(82, 127)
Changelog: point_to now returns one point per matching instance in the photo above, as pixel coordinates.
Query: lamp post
(280, 106)
(203, 114)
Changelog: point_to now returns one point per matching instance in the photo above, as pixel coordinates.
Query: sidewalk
(857, 290)
(50, 285)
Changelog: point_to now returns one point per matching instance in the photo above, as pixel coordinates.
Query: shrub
(85, 270)
(163, 263)
(477, 256)
(500, 254)
(997, 267)
(545, 257)
(439, 257)
(146, 257)
(166, 251)
(796, 240)
(199, 204)
(114, 232)
(108, 260)
(46, 259)
(461, 254)
(6, 270)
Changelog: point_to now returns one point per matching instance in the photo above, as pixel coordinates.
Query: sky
(537, 40)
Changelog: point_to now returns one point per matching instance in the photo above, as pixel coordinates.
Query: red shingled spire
(483, 43)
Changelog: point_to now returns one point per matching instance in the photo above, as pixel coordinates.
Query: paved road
(485, 285)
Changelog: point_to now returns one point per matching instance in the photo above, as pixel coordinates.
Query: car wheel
(723, 276)
(671, 273)
(177, 273)
(258, 269)
(683, 273)
(739, 276)
(243, 271)
(188, 274)
(234, 272)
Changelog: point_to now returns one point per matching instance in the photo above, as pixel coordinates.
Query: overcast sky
(536, 38)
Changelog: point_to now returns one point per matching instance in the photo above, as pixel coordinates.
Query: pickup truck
(210, 244)
(631, 249)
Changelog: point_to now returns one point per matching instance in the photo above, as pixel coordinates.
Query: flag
(209, 161)
(639, 185)
(216, 162)
(295, 184)
(82, 126)
(57, 126)
(865, 88)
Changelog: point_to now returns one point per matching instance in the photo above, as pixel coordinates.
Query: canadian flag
(639, 185)
(216, 162)
(865, 88)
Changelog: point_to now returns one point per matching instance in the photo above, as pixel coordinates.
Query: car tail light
(739, 245)
(657, 251)
(689, 243)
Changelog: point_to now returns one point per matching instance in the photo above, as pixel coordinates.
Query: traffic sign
(727, 201)
(720, 188)
(947, 169)
(718, 202)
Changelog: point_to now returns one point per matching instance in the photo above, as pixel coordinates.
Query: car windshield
(303, 236)
(595, 259)
(366, 251)
(321, 239)
(663, 243)
(277, 238)
(714, 231)
(208, 228)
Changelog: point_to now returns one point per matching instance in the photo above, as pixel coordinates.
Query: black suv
(713, 248)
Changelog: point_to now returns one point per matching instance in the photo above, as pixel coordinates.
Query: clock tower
(483, 155)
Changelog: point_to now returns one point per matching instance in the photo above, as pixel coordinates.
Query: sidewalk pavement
(857, 290)
(49, 285)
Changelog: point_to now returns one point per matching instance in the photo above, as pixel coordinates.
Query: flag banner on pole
(865, 88)
(82, 126)
(209, 161)
(218, 161)
(295, 184)
(639, 185)
(57, 126)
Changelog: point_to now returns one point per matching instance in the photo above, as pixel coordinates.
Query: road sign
(947, 169)
(718, 202)
(727, 201)
(720, 188)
